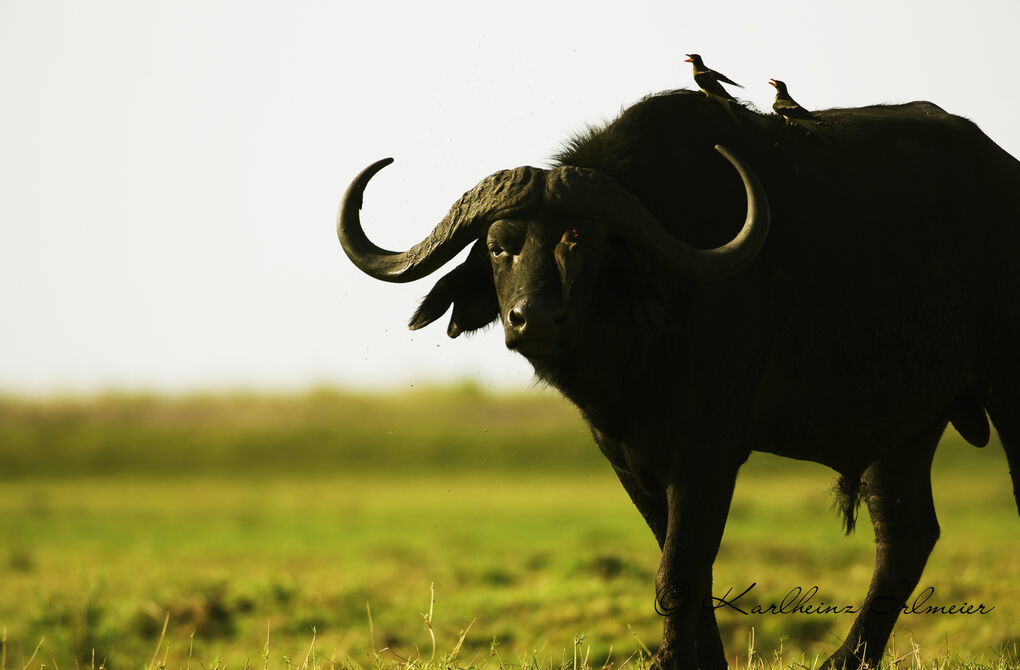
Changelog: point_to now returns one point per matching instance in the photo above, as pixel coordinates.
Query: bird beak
(688, 59)
(772, 81)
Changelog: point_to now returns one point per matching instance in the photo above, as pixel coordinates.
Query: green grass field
(241, 514)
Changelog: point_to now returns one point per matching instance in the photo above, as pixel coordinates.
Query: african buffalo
(870, 296)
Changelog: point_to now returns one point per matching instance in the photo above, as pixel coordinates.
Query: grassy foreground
(535, 555)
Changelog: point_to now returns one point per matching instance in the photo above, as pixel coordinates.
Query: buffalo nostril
(559, 317)
(515, 317)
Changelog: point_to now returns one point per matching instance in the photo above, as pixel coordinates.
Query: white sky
(170, 171)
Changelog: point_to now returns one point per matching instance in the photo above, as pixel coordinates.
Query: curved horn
(741, 250)
(496, 195)
(595, 194)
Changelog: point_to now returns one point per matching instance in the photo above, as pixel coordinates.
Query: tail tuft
(848, 492)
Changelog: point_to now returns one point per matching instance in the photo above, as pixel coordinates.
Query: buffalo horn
(574, 189)
(587, 192)
(497, 195)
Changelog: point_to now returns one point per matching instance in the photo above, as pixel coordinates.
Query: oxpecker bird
(793, 113)
(708, 80)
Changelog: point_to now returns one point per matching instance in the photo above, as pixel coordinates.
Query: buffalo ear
(469, 288)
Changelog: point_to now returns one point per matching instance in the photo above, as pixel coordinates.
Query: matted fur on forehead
(526, 189)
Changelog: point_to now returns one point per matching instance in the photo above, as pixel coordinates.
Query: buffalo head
(542, 241)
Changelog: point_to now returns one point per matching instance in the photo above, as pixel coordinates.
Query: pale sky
(170, 171)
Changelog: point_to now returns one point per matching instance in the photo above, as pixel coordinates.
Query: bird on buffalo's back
(793, 113)
(711, 83)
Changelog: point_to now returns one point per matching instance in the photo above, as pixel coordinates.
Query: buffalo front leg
(698, 500)
(899, 498)
(711, 655)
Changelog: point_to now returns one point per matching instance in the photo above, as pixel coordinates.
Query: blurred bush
(320, 431)
(323, 431)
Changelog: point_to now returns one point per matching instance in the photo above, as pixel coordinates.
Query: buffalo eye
(497, 251)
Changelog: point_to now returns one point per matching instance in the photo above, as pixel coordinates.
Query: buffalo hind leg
(898, 493)
(1004, 409)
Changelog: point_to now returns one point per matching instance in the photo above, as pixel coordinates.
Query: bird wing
(791, 109)
(726, 80)
(708, 83)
